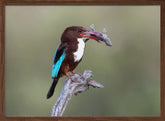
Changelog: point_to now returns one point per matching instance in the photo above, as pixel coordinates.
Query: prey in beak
(98, 36)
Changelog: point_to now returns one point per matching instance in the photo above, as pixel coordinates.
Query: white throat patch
(80, 50)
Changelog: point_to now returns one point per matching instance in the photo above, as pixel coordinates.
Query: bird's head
(74, 32)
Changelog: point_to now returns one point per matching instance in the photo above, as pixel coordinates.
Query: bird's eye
(80, 30)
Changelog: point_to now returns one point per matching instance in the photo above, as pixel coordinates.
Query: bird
(69, 53)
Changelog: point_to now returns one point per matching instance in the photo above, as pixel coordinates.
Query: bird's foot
(70, 78)
(81, 76)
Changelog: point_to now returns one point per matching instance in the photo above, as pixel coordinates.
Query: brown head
(72, 33)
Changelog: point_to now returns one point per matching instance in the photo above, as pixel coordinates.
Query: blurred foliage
(129, 70)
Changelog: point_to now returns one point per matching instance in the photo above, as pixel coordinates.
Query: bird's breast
(80, 50)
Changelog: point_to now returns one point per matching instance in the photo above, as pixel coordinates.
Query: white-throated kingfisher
(70, 52)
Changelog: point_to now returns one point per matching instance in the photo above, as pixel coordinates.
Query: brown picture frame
(3, 3)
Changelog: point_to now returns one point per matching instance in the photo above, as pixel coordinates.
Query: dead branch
(71, 88)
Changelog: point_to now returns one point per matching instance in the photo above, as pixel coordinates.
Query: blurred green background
(129, 70)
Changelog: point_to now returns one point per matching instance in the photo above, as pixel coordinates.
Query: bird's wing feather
(58, 59)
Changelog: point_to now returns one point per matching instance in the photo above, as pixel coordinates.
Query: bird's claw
(81, 76)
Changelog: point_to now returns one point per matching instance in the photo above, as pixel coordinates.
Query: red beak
(92, 35)
(98, 36)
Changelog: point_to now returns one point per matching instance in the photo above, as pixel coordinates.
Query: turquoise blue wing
(58, 59)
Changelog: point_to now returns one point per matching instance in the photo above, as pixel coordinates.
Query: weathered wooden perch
(71, 88)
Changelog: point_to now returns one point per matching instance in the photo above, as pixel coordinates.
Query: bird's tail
(51, 90)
